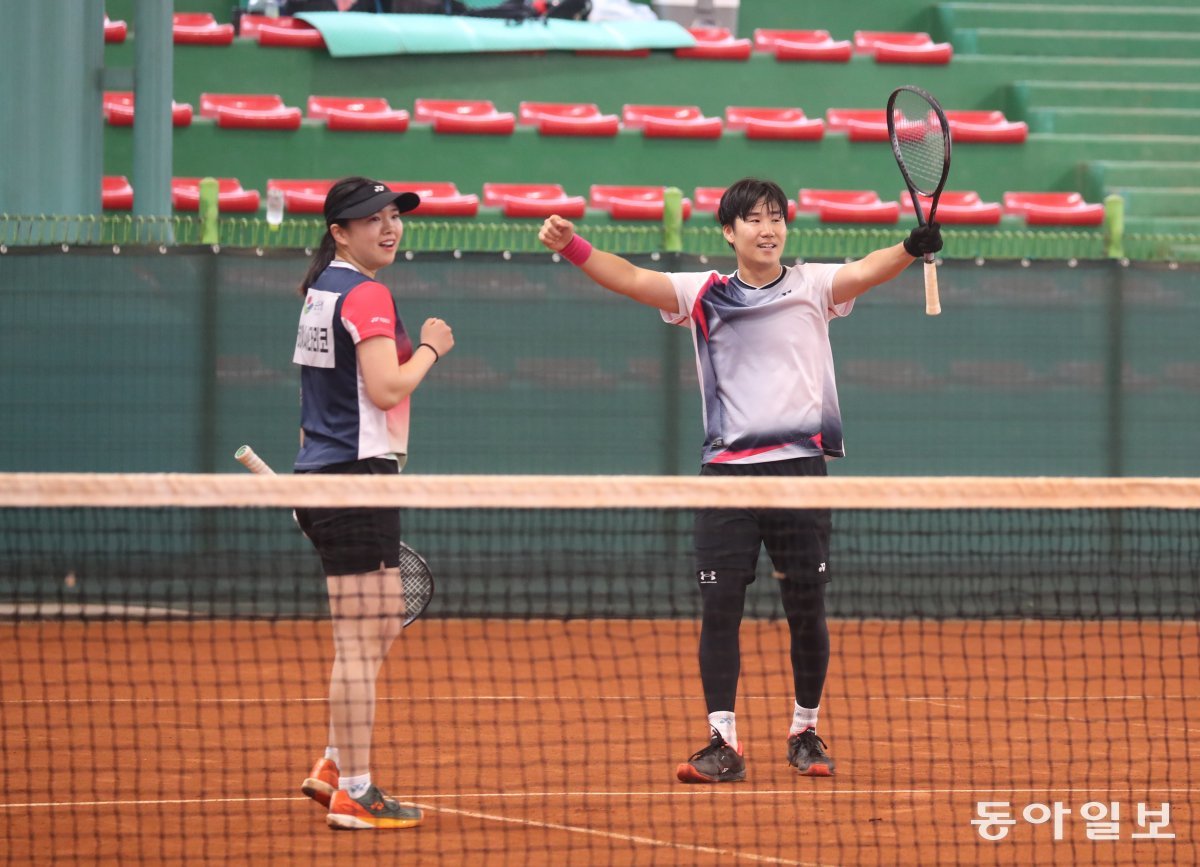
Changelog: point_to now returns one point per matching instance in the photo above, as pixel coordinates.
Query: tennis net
(1013, 662)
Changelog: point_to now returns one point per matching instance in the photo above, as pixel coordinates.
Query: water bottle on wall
(274, 207)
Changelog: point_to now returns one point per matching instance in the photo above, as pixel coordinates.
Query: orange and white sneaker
(322, 782)
(372, 810)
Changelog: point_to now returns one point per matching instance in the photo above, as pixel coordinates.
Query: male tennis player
(358, 368)
(770, 409)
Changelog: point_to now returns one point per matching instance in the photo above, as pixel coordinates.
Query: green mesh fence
(425, 236)
(169, 358)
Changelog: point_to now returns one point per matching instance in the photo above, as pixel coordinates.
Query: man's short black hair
(739, 200)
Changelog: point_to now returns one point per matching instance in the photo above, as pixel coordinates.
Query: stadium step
(1128, 16)
(1172, 202)
(1098, 176)
(1015, 41)
(1024, 95)
(1103, 121)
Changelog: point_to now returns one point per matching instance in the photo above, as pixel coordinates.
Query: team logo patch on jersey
(314, 336)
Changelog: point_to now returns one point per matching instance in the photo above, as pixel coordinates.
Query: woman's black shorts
(354, 541)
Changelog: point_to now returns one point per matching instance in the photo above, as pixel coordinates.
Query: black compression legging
(720, 650)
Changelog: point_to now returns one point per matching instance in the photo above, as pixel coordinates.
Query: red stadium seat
(938, 54)
(285, 32)
(249, 111)
(632, 202)
(715, 43)
(1054, 209)
(533, 200)
(118, 109)
(301, 196)
(898, 47)
(848, 206)
(439, 198)
(709, 198)
(860, 124)
(185, 195)
(986, 126)
(200, 28)
(470, 116)
(357, 113)
(114, 31)
(568, 118)
(116, 194)
(249, 23)
(774, 123)
(811, 45)
(671, 121)
(962, 207)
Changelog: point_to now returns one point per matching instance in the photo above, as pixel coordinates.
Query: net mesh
(920, 140)
(1012, 665)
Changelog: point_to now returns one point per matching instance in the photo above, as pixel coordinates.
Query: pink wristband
(577, 250)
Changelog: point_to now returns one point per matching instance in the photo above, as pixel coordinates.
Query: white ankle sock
(802, 718)
(726, 725)
(356, 786)
(331, 753)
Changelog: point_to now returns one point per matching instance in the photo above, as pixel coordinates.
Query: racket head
(417, 578)
(920, 137)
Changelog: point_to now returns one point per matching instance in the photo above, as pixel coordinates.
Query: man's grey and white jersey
(764, 363)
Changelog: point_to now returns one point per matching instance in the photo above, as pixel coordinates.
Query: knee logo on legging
(707, 577)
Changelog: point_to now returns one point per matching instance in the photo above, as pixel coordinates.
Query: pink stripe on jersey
(745, 453)
(697, 313)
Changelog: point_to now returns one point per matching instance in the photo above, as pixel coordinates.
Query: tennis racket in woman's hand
(920, 139)
(415, 573)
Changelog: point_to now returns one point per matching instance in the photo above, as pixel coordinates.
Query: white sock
(356, 786)
(803, 718)
(725, 724)
(331, 753)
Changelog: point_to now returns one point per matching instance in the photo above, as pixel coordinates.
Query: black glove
(923, 239)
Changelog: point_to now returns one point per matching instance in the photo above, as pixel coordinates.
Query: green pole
(51, 58)
(671, 399)
(672, 220)
(1114, 226)
(153, 58)
(210, 231)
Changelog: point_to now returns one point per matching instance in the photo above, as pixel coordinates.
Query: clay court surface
(554, 743)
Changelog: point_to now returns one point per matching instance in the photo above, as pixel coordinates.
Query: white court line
(627, 838)
(738, 792)
(932, 699)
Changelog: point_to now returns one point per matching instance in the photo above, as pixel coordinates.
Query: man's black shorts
(727, 541)
(354, 541)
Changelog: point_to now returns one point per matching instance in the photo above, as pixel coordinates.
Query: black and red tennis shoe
(806, 753)
(716, 763)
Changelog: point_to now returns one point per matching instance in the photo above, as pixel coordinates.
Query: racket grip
(933, 303)
(247, 458)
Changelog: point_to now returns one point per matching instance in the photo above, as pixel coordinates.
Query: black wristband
(437, 356)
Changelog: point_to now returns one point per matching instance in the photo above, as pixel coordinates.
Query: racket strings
(921, 141)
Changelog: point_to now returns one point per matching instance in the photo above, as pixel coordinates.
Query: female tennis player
(770, 409)
(358, 369)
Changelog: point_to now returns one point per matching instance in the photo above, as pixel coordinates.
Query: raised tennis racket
(415, 574)
(920, 139)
